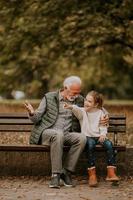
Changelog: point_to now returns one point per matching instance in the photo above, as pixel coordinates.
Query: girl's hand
(102, 138)
(67, 106)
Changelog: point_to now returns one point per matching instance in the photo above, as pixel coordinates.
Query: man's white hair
(71, 80)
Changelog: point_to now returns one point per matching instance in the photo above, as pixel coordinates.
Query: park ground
(36, 188)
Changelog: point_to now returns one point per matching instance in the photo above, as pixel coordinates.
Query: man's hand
(67, 106)
(102, 138)
(104, 121)
(29, 108)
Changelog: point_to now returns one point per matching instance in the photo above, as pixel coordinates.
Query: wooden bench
(19, 122)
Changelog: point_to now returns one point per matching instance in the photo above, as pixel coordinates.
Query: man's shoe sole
(54, 186)
(63, 182)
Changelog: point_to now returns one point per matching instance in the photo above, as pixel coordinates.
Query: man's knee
(57, 137)
(82, 140)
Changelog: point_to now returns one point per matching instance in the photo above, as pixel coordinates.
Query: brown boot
(92, 177)
(111, 176)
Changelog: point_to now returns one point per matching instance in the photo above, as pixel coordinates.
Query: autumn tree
(43, 41)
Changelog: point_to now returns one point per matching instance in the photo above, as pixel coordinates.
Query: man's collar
(60, 96)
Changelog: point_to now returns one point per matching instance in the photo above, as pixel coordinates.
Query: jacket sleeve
(103, 129)
(77, 111)
(105, 111)
(39, 111)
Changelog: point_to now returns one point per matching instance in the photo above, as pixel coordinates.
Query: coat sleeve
(103, 129)
(78, 112)
(39, 111)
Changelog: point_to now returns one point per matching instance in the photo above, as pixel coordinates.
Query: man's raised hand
(29, 108)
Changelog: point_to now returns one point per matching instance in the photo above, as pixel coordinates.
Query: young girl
(89, 117)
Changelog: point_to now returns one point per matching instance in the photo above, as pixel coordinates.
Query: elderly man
(56, 126)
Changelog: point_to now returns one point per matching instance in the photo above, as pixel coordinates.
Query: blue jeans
(90, 149)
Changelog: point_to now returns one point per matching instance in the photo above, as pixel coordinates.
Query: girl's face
(89, 103)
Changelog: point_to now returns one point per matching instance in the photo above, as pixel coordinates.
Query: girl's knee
(90, 143)
(108, 144)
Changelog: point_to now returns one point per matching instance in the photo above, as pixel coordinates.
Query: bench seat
(19, 122)
(34, 160)
(41, 148)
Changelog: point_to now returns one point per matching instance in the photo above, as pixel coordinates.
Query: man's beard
(71, 98)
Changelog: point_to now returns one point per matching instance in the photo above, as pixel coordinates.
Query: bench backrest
(11, 122)
(117, 124)
(19, 122)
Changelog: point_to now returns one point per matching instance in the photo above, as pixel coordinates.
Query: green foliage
(43, 41)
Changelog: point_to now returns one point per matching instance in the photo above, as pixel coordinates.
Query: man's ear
(65, 88)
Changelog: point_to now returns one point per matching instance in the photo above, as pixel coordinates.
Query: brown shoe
(111, 175)
(92, 177)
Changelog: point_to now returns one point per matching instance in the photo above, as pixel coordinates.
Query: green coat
(50, 116)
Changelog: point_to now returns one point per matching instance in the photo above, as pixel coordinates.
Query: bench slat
(116, 147)
(41, 148)
(117, 129)
(15, 121)
(27, 121)
(16, 128)
(117, 122)
(117, 116)
(34, 148)
(13, 115)
(24, 115)
(28, 128)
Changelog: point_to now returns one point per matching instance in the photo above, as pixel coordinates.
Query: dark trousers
(90, 149)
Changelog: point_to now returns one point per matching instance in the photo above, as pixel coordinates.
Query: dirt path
(35, 188)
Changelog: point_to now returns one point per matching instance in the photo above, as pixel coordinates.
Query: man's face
(72, 91)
